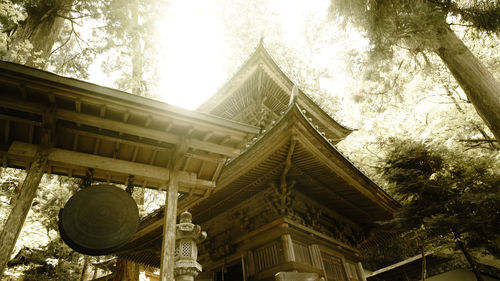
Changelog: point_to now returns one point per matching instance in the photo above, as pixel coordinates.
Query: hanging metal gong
(98, 220)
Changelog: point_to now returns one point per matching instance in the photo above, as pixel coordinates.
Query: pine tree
(446, 195)
(422, 26)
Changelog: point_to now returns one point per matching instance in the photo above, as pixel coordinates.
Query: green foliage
(413, 24)
(40, 252)
(441, 189)
(55, 261)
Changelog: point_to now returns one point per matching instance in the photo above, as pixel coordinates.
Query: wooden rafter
(333, 193)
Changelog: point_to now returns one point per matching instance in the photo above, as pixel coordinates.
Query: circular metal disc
(98, 220)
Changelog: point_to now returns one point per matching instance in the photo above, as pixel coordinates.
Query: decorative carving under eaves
(344, 232)
(339, 230)
(311, 218)
(282, 199)
(220, 245)
(245, 223)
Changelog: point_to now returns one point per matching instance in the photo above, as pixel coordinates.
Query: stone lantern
(188, 235)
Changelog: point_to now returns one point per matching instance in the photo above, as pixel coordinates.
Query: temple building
(255, 165)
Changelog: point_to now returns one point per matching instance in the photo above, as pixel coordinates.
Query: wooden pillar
(17, 216)
(288, 252)
(168, 243)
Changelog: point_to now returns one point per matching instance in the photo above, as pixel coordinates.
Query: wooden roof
(320, 171)
(259, 92)
(117, 134)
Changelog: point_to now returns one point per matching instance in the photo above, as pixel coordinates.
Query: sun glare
(192, 53)
(193, 46)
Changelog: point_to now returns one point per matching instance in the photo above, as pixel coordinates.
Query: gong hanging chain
(130, 185)
(87, 180)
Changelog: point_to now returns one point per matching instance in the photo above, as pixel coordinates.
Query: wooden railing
(268, 255)
(302, 254)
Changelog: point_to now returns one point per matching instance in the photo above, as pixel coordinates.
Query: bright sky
(195, 54)
(191, 66)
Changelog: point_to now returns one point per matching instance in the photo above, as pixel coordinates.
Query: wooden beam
(112, 125)
(218, 170)
(101, 135)
(18, 214)
(84, 160)
(20, 120)
(143, 132)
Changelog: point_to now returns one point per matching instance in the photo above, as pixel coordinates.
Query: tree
(130, 32)
(36, 34)
(445, 195)
(423, 26)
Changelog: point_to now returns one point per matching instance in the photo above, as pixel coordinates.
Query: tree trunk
(481, 88)
(424, 263)
(461, 246)
(17, 216)
(137, 53)
(41, 28)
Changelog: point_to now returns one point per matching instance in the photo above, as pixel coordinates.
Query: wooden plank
(72, 158)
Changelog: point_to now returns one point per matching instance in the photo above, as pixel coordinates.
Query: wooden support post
(17, 216)
(288, 252)
(168, 243)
